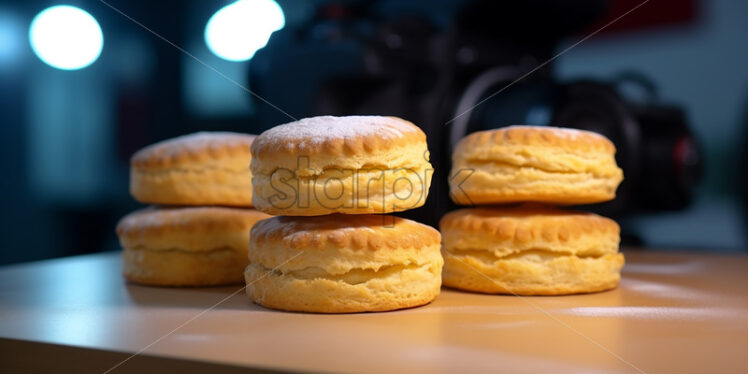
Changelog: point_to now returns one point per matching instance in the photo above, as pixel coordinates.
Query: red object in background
(653, 14)
(334, 11)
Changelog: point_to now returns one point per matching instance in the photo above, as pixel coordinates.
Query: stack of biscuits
(333, 248)
(197, 231)
(528, 246)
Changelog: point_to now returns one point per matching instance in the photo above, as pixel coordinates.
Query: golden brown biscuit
(192, 246)
(353, 165)
(528, 163)
(205, 168)
(343, 263)
(530, 250)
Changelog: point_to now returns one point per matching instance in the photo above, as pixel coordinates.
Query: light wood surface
(681, 313)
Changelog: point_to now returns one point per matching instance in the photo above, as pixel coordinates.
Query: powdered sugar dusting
(316, 130)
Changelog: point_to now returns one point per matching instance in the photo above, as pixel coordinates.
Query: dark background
(66, 136)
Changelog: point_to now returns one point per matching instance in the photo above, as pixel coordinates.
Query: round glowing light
(238, 30)
(66, 37)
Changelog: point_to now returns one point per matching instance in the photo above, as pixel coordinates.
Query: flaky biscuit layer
(353, 165)
(509, 230)
(340, 264)
(206, 168)
(183, 268)
(530, 250)
(526, 163)
(188, 228)
(540, 273)
(188, 246)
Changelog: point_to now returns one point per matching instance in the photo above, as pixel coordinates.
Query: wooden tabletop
(683, 313)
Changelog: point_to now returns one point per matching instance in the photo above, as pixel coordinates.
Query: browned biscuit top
(540, 136)
(374, 232)
(194, 149)
(527, 223)
(155, 222)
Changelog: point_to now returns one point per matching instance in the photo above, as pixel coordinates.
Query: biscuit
(343, 263)
(205, 168)
(352, 165)
(190, 246)
(530, 250)
(534, 164)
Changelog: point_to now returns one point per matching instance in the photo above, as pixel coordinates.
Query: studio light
(236, 31)
(66, 37)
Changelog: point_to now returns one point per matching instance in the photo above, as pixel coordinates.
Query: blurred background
(84, 84)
